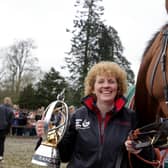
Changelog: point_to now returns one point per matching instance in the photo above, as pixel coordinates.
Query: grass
(19, 151)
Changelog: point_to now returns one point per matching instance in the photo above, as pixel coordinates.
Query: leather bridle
(154, 135)
(162, 60)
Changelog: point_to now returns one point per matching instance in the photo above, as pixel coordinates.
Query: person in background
(98, 130)
(31, 122)
(39, 113)
(6, 118)
(15, 122)
(19, 122)
(71, 110)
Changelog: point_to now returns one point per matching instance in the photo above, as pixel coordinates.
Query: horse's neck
(166, 5)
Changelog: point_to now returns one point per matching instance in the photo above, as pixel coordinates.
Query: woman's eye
(101, 81)
(112, 81)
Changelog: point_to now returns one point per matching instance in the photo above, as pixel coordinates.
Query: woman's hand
(40, 127)
(130, 147)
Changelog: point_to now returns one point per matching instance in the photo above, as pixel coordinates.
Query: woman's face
(105, 88)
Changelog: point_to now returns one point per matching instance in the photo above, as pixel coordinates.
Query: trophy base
(46, 156)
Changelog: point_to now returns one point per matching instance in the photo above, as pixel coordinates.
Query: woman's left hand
(130, 147)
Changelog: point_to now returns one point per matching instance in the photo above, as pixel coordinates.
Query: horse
(151, 90)
(150, 98)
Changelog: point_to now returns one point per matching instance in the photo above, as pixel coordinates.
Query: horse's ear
(166, 5)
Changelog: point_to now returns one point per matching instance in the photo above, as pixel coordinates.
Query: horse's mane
(150, 42)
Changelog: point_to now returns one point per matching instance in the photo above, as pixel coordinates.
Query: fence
(22, 130)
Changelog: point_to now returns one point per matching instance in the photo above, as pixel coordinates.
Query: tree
(73, 96)
(46, 90)
(92, 42)
(86, 26)
(19, 62)
(111, 49)
(49, 87)
(2, 74)
(2, 68)
(27, 98)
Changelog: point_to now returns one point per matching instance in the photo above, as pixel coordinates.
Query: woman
(99, 129)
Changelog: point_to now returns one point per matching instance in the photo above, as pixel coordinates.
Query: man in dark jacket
(6, 117)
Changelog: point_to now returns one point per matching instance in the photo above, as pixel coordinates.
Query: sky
(45, 21)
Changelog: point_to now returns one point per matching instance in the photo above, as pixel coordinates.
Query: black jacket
(6, 117)
(94, 142)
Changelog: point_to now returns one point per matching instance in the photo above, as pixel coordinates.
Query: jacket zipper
(101, 127)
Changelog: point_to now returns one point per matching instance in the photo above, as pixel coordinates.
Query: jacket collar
(90, 102)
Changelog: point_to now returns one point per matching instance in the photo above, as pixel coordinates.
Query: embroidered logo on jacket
(82, 124)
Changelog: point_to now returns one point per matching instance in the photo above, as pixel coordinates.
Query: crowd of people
(18, 122)
(24, 121)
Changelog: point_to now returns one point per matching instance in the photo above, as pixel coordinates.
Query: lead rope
(163, 156)
(158, 163)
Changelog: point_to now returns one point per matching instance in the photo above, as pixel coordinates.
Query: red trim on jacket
(90, 103)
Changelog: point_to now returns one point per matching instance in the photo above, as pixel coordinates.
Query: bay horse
(151, 92)
(151, 97)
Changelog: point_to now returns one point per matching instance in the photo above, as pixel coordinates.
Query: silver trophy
(56, 122)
